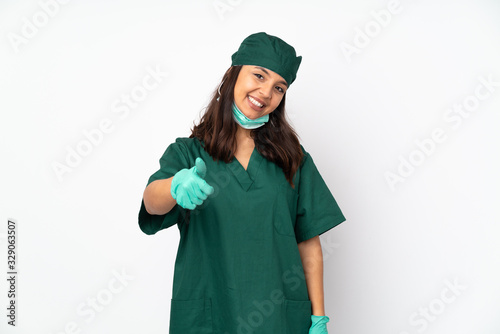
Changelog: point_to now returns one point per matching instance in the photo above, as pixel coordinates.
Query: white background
(357, 115)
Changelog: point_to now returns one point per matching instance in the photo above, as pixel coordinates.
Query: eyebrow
(265, 71)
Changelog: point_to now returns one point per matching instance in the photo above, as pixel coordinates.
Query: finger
(194, 189)
(182, 200)
(200, 167)
(198, 192)
(192, 194)
(189, 206)
(186, 202)
(206, 188)
(194, 199)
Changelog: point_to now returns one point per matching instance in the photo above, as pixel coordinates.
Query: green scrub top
(238, 268)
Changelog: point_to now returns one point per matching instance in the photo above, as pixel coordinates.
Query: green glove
(318, 324)
(188, 186)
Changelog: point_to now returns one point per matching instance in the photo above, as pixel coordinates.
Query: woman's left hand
(318, 324)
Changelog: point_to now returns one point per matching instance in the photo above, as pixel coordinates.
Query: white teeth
(255, 102)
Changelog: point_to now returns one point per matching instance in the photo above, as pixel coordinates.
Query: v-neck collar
(248, 176)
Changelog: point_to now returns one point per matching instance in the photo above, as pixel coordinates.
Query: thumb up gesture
(188, 186)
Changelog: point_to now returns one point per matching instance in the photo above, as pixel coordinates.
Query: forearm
(157, 197)
(312, 261)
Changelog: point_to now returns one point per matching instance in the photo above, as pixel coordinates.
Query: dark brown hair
(276, 140)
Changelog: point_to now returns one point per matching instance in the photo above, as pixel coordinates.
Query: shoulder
(185, 144)
(186, 141)
(306, 156)
(181, 147)
(188, 148)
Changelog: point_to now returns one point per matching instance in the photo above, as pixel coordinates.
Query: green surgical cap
(270, 52)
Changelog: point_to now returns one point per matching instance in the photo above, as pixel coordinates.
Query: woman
(249, 204)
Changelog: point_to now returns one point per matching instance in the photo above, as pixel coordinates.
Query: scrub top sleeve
(173, 160)
(317, 209)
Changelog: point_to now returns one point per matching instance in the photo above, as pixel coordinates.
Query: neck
(243, 136)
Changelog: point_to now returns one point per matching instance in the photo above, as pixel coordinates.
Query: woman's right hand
(188, 186)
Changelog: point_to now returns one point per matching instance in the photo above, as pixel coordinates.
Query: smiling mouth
(255, 102)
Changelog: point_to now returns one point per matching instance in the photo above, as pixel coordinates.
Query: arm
(189, 189)
(312, 261)
(157, 197)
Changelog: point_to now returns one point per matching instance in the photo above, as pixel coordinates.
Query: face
(258, 91)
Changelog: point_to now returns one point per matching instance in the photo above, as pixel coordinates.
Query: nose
(266, 90)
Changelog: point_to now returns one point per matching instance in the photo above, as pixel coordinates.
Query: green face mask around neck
(246, 122)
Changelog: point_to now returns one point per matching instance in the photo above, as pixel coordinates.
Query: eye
(258, 76)
(281, 90)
